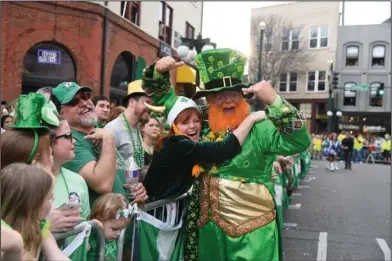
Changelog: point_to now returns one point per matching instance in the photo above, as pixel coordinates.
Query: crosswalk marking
(296, 194)
(290, 224)
(303, 186)
(296, 206)
(322, 247)
(385, 249)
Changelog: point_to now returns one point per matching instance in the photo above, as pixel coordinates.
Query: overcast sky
(228, 23)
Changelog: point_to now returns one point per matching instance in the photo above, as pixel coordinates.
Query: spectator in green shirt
(69, 187)
(95, 159)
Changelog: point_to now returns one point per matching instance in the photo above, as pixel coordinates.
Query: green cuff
(277, 103)
(284, 116)
(156, 84)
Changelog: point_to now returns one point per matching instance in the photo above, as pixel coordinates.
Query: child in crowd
(24, 208)
(112, 211)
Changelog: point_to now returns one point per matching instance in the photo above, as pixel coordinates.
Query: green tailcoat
(238, 214)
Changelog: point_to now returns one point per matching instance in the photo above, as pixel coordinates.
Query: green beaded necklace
(137, 152)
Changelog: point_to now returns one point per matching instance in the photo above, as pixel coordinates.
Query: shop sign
(374, 128)
(164, 50)
(49, 56)
(348, 127)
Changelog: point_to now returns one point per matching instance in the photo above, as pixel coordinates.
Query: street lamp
(331, 120)
(262, 24)
(261, 28)
(197, 45)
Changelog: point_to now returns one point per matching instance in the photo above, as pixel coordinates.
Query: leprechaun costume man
(238, 213)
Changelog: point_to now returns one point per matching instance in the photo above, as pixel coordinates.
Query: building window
(290, 40)
(267, 42)
(378, 56)
(190, 31)
(316, 81)
(306, 110)
(352, 56)
(165, 23)
(376, 92)
(350, 96)
(318, 37)
(131, 10)
(288, 82)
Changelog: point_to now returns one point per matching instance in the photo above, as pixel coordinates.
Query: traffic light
(335, 79)
(380, 90)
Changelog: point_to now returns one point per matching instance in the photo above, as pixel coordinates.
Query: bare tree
(284, 49)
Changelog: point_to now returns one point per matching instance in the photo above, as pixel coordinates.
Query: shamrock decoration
(127, 212)
(183, 99)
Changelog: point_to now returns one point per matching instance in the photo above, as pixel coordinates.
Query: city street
(341, 215)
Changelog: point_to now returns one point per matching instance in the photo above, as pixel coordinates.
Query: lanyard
(65, 182)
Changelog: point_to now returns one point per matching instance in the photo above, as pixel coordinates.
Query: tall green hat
(221, 70)
(32, 111)
(158, 86)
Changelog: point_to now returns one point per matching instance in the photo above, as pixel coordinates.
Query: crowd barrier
(157, 232)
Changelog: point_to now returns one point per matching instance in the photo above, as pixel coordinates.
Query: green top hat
(65, 91)
(32, 110)
(158, 86)
(221, 70)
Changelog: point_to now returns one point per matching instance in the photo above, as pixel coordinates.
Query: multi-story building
(101, 44)
(298, 45)
(167, 21)
(364, 90)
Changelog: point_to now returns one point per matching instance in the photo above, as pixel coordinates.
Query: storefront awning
(186, 74)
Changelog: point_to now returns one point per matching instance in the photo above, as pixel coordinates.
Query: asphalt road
(341, 215)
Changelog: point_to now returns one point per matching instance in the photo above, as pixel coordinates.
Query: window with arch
(378, 56)
(123, 71)
(49, 60)
(350, 95)
(352, 56)
(376, 94)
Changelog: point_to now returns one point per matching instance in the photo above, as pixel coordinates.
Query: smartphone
(67, 206)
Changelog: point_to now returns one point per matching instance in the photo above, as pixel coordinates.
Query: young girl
(112, 211)
(333, 152)
(24, 208)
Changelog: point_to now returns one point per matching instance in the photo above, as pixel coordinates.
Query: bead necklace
(138, 150)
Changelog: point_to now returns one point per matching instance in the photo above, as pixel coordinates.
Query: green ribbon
(49, 112)
(35, 148)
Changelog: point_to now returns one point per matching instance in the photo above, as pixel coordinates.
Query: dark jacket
(348, 142)
(170, 172)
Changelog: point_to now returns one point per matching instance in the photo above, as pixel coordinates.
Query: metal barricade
(156, 209)
(81, 227)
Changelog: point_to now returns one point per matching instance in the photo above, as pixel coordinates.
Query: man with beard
(125, 128)
(238, 217)
(102, 109)
(95, 152)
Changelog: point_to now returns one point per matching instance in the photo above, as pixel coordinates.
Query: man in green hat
(238, 215)
(96, 158)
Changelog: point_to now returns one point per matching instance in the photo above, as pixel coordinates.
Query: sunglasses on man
(82, 96)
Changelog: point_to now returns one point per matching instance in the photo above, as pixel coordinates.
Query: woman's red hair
(183, 116)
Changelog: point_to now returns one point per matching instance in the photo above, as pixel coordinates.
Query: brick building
(45, 43)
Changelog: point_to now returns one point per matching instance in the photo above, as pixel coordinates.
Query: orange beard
(218, 120)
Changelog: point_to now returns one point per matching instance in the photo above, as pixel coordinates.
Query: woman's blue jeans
(357, 155)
